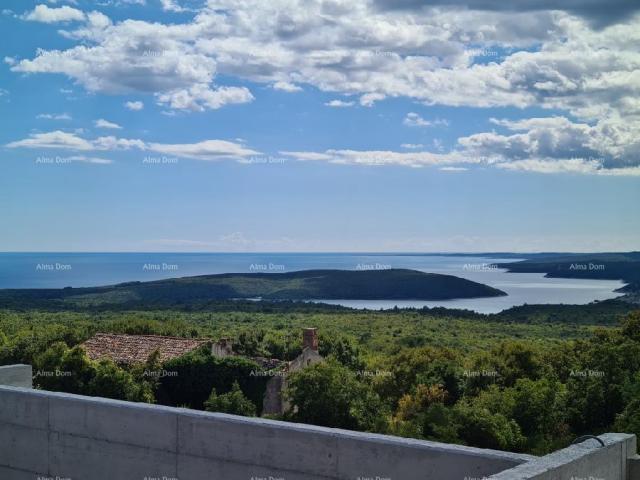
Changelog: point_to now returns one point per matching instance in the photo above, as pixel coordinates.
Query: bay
(58, 270)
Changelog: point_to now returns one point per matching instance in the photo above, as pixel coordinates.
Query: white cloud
(369, 99)
(412, 146)
(134, 106)
(102, 123)
(92, 160)
(553, 59)
(54, 116)
(201, 97)
(569, 165)
(287, 87)
(453, 169)
(205, 150)
(610, 143)
(57, 140)
(380, 157)
(551, 145)
(45, 14)
(414, 120)
(339, 104)
(172, 6)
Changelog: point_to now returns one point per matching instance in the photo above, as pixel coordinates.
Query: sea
(58, 270)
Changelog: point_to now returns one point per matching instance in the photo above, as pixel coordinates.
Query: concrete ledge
(584, 461)
(16, 376)
(72, 436)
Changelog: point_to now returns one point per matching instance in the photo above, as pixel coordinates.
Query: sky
(319, 125)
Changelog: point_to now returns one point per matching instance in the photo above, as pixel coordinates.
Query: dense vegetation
(194, 292)
(530, 379)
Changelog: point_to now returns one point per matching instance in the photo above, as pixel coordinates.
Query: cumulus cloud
(172, 6)
(543, 145)
(102, 123)
(539, 141)
(596, 11)
(134, 106)
(424, 54)
(201, 97)
(369, 99)
(287, 87)
(45, 14)
(553, 59)
(137, 56)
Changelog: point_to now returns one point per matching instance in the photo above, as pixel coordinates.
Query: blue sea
(57, 270)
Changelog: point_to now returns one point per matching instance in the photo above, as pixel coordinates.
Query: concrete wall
(16, 376)
(585, 461)
(79, 438)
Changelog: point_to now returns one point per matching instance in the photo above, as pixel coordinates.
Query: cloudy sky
(319, 125)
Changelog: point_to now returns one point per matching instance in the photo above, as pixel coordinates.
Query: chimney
(310, 338)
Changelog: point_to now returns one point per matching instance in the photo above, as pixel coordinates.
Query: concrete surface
(73, 437)
(16, 376)
(585, 461)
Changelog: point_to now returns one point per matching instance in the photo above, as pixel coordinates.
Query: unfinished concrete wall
(585, 461)
(78, 438)
(16, 376)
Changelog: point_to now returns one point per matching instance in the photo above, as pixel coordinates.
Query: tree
(329, 394)
(110, 381)
(481, 428)
(198, 372)
(233, 402)
(343, 350)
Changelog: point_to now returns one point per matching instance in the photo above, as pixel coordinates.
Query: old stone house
(127, 349)
(274, 402)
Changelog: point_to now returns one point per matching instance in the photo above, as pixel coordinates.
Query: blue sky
(328, 126)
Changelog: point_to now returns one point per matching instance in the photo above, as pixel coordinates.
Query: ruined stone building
(274, 402)
(131, 349)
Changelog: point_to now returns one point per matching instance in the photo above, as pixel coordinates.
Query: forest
(530, 379)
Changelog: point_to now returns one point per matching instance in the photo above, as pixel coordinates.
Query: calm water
(57, 270)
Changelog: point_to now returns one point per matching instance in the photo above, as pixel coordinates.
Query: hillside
(394, 284)
(604, 266)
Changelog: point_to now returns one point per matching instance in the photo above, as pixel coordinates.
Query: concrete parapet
(16, 376)
(588, 460)
(50, 434)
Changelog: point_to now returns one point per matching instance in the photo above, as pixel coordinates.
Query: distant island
(387, 284)
(592, 266)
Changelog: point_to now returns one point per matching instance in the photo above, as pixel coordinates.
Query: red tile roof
(137, 348)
